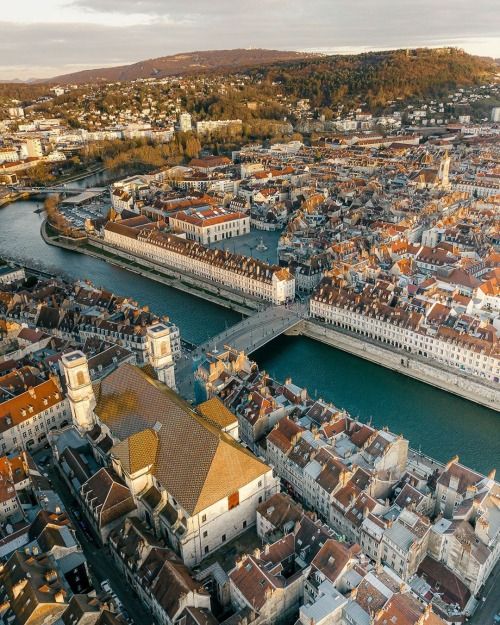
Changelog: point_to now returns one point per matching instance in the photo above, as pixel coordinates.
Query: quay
(194, 285)
(266, 322)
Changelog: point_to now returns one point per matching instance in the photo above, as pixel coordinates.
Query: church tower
(444, 170)
(160, 353)
(80, 392)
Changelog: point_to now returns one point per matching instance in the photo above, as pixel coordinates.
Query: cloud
(167, 27)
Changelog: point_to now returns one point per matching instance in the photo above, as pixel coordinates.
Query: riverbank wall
(13, 197)
(209, 291)
(459, 384)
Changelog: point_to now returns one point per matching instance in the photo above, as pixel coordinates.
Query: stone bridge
(248, 335)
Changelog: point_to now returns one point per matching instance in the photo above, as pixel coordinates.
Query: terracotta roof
(216, 413)
(25, 406)
(138, 451)
(196, 463)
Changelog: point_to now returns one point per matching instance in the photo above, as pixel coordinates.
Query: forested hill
(186, 63)
(378, 77)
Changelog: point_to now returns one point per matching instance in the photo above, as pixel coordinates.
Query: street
(100, 563)
(487, 610)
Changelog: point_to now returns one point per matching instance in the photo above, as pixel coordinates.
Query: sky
(44, 38)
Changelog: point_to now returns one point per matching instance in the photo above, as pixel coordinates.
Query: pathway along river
(437, 422)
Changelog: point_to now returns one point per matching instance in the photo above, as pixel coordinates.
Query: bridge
(58, 189)
(248, 335)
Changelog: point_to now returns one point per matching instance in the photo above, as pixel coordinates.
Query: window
(260, 499)
(206, 549)
(233, 500)
(244, 524)
(203, 518)
(223, 538)
(205, 534)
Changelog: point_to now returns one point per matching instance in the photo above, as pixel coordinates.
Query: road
(100, 563)
(487, 610)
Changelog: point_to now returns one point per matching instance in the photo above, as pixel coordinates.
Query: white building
(33, 147)
(194, 485)
(8, 155)
(11, 274)
(27, 418)
(210, 224)
(268, 282)
(214, 125)
(404, 330)
(185, 123)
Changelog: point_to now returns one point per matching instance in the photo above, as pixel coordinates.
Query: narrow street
(488, 609)
(100, 563)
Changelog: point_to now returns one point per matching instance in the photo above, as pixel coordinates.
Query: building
(27, 418)
(215, 125)
(192, 483)
(210, 224)
(407, 329)
(185, 123)
(9, 155)
(10, 274)
(156, 573)
(248, 275)
(495, 114)
(33, 146)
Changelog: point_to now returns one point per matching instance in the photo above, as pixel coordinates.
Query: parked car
(106, 586)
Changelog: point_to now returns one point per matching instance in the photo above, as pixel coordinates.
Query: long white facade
(270, 283)
(446, 351)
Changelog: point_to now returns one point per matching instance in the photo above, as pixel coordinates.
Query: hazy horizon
(46, 39)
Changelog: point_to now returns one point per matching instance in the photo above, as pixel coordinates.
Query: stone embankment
(481, 392)
(217, 294)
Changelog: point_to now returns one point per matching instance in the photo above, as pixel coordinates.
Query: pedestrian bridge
(248, 336)
(59, 189)
(260, 328)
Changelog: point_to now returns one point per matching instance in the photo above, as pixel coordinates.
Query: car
(106, 586)
(496, 618)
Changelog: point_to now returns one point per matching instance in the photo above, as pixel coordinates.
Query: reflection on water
(439, 423)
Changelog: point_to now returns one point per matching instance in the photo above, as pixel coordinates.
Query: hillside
(378, 77)
(183, 63)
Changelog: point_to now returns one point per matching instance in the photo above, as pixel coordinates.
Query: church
(191, 481)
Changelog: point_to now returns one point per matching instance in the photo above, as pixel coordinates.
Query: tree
(40, 174)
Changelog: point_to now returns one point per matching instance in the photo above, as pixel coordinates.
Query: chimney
(454, 460)
(59, 596)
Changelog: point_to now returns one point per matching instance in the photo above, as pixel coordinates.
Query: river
(437, 422)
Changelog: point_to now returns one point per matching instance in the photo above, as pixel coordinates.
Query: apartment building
(258, 279)
(406, 329)
(28, 417)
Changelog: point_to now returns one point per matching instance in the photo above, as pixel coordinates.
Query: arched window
(80, 378)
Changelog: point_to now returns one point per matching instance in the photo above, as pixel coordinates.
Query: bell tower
(80, 392)
(444, 170)
(160, 353)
